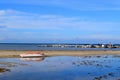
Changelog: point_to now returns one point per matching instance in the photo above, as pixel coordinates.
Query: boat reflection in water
(34, 59)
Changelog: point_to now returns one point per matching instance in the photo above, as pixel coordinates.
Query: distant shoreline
(16, 53)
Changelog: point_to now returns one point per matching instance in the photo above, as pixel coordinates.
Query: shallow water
(103, 67)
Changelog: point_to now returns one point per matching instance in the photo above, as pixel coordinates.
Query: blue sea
(35, 46)
(103, 67)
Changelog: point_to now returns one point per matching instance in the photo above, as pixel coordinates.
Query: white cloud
(67, 27)
(2, 12)
(2, 38)
(17, 19)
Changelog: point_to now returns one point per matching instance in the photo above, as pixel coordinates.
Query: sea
(102, 67)
(35, 46)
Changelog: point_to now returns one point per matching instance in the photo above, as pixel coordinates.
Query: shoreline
(16, 53)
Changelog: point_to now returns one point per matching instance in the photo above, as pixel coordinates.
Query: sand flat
(16, 53)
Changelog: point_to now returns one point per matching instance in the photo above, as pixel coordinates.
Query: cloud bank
(53, 26)
(17, 19)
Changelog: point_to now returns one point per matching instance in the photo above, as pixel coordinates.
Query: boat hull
(31, 55)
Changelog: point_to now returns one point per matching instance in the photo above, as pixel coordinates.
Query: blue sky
(39, 21)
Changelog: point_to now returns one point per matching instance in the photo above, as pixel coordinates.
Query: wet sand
(16, 53)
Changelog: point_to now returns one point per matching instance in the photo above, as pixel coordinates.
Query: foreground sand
(16, 53)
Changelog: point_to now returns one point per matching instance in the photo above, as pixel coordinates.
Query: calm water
(30, 46)
(105, 67)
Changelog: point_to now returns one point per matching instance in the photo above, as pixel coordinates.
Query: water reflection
(38, 59)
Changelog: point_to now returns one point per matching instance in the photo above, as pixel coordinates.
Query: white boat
(32, 54)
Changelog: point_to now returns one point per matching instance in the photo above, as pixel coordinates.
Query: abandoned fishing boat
(32, 54)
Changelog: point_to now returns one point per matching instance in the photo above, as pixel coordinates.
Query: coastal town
(81, 45)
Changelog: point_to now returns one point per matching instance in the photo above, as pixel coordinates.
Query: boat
(32, 54)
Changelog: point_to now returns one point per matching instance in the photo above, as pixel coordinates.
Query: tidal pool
(99, 67)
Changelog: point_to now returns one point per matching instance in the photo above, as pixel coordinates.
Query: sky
(59, 21)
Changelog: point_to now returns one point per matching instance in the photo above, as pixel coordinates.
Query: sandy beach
(16, 53)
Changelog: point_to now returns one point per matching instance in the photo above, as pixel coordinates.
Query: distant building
(102, 46)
